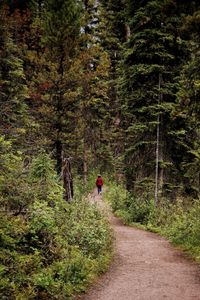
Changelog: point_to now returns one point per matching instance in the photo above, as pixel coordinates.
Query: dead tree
(67, 179)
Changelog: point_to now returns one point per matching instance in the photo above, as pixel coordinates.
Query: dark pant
(99, 188)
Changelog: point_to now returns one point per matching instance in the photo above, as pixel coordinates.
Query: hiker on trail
(99, 183)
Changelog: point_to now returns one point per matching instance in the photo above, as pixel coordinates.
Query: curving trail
(145, 267)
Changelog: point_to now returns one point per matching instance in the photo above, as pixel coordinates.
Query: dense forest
(111, 86)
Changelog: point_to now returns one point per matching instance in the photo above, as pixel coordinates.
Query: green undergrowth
(81, 188)
(179, 221)
(50, 249)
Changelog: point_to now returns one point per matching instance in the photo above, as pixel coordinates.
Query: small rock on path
(145, 267)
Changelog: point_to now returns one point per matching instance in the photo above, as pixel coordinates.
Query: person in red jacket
(99, 184)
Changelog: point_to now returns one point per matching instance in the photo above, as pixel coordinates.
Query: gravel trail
(145, 267)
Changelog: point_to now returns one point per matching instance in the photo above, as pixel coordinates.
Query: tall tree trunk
(161, 156)
(58, 149)
(157, 179)
(59, 111)
(85, 169)
(67, 179)
(58, 142)
(128, 32)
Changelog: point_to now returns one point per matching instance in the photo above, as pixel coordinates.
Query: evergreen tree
(93, 106)
(152, 61)
(92, 112)
(187, 112)
(14, 90)
(113, 32)
(60, 30)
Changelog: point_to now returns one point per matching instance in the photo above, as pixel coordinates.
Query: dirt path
(145, 267)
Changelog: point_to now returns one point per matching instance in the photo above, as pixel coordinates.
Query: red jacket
(99, 181)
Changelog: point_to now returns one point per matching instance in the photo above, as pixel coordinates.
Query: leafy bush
(184, 228)
(127, 207)
(53, 248)
(116, 195)
(13, 181)
(88, 229)
(81, 188)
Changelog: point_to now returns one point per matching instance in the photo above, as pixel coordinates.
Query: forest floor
(145, 267)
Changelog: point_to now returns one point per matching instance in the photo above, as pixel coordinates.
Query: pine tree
(187, 112)
(152, 61)
(14, 90)
(92, 66)
(54, 88)
(92, 111)
(113, 32)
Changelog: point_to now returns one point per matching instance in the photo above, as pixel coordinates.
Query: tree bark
(157, 177)
(58, 148)
(85, 164)
(67, 180)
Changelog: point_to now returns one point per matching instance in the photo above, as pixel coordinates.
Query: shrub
(54, 248)
(184, 229)
(116, 195)
(128, 207)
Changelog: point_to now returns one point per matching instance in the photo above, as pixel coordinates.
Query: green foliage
(12, 178)
(112, 34)
(64, 15)
(86, 232)
(179, 221)
(81, 188)
(129, 208)
(116, 195)
(157, 83)
(14, 90)
(44, 179)
(183, 227)
(52, 249)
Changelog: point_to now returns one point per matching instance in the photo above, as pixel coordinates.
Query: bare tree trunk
(59, 114)
(128, 32)
(161, 158)
(85, 170)
(158, 144)
(67, 179)
(58, 156)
